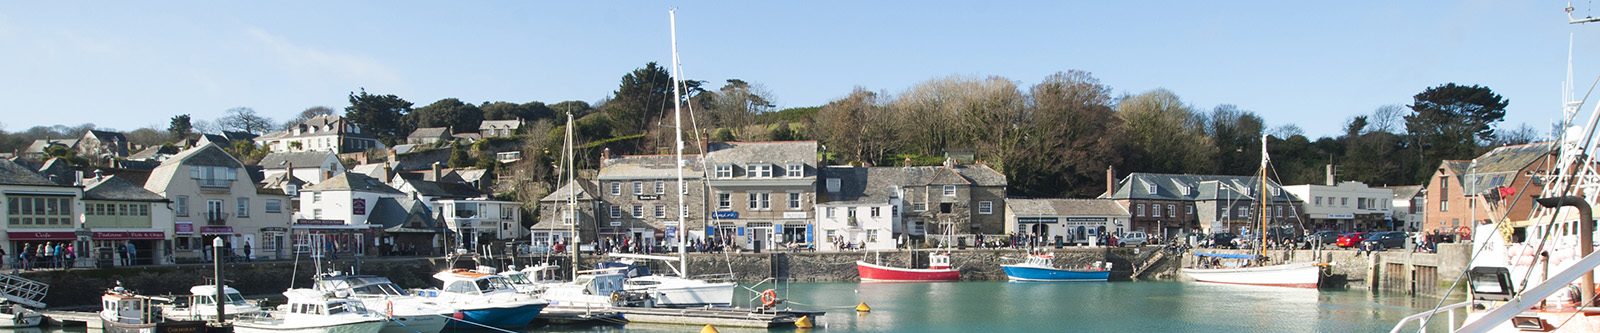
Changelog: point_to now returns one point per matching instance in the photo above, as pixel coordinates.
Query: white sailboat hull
(1293, 275)
(369, 326)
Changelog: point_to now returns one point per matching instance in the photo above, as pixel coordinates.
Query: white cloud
(352, 67)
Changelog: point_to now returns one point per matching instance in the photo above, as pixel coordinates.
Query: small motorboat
(407, 313)
(13, 315)
(939, 269)
(596, 289)
(1041, 267)
(122, 311)
(480, 299)
(312, 311)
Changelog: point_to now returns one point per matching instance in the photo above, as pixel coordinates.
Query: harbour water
(1070, 307)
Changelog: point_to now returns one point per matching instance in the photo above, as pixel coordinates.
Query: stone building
(1167, 205)
(639, 198)
(762, 193)
(555, 226)
(328, 133)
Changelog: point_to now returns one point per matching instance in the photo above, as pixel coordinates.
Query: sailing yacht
(1254, 269)
(679, 290)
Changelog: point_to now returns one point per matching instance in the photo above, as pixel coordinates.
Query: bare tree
(1521, 135)
(245, 119)
(1387, 118)
(308, 113)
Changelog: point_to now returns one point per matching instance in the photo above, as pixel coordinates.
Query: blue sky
(126, 65)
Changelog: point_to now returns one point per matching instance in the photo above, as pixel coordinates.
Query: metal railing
(17, 289)
(1422, 319)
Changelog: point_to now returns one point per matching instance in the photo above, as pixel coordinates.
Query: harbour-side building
(38, 211)
(761, 193)
(1065, 221)
(212, 197)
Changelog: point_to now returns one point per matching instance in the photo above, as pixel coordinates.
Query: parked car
(1322, 237)
(1385, 240)
(1351, 239)
(1135, 238)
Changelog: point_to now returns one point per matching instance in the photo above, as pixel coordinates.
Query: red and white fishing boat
(939, 269)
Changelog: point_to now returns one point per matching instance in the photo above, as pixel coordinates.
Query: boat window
(235, 299)
(464, 287)
(203, 300)
(337, 308)
(643, 283)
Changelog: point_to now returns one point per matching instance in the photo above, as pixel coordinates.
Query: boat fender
(388, 309)
(616, 298)
(769, 298)
(863, 307)
(709, 329)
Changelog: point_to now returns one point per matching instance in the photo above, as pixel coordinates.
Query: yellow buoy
(708, 329)
(863, 307)
(804, 322)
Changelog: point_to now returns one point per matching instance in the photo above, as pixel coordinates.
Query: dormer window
(796, 170)
(759, 170)
(949, 190)
(1150, 188)
(724, 171)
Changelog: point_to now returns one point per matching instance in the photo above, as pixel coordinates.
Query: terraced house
(762, 193)
(639, 198)
(1167, 205)
(37, 210)
(118, 214)
(213, 197)
(1463, 192)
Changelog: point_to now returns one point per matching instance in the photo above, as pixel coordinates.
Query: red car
(1350, 239)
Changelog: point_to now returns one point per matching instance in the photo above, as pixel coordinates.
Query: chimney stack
(1330, 175)
(392, 156)
(1111, 181)
(705, 143)
(436, 172)
(605, 155)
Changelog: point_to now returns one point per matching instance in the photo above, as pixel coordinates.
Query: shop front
(332, 238)
(129, 247)
(41, 245)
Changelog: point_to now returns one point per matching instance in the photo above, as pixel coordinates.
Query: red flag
(1506, 192)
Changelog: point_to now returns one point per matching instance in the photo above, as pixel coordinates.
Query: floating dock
(72, 318)
(564, 315)
(721, 317)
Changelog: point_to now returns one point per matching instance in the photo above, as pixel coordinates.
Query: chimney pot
(1111, 181)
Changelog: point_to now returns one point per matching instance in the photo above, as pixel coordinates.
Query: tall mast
(572, 198)
(1261, 198)
(677, 134)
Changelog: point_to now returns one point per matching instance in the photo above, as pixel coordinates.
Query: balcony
(216, 218)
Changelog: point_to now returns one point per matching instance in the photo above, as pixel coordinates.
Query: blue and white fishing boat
(1040, 267)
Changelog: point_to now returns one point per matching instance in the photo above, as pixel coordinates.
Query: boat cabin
(119, 305)
(939, 261)
(307, 302)
(473, 283)
(603, 283)
(201, 304)
(360, 286)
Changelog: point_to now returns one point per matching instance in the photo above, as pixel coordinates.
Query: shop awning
(41, 235)
(129, 235)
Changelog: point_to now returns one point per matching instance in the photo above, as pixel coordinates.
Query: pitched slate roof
(204, 155)
(513, 123)
(769, 151)
(117, 188)
(58, 170)
(649, 167)
(153, 152)
(349, 181)
(441, 190)
(108, 136)
(1501, 166)
(471, 174)
(859, 185)
(38, 146)
(238, 136)
(1404, 192)
(374, 170)
(1191, 187)
(1065, 207)
(13, 174)
(303, 159)
(429, 133)
(279, 181)
(586, 190)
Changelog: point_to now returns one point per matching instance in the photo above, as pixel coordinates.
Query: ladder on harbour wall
(29, 293)
(1148, 263)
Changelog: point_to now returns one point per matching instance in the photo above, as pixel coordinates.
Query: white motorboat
(312, 311)
(201, 305)
(484, 300)
(592, 289)
(14, 315)
(532, 280)
(676, 290)
(406, 312)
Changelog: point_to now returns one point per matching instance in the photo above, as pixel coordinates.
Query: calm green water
(1076, 307)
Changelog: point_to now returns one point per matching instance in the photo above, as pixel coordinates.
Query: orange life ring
(769, 298)
(1465, 232)
(388, 308)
